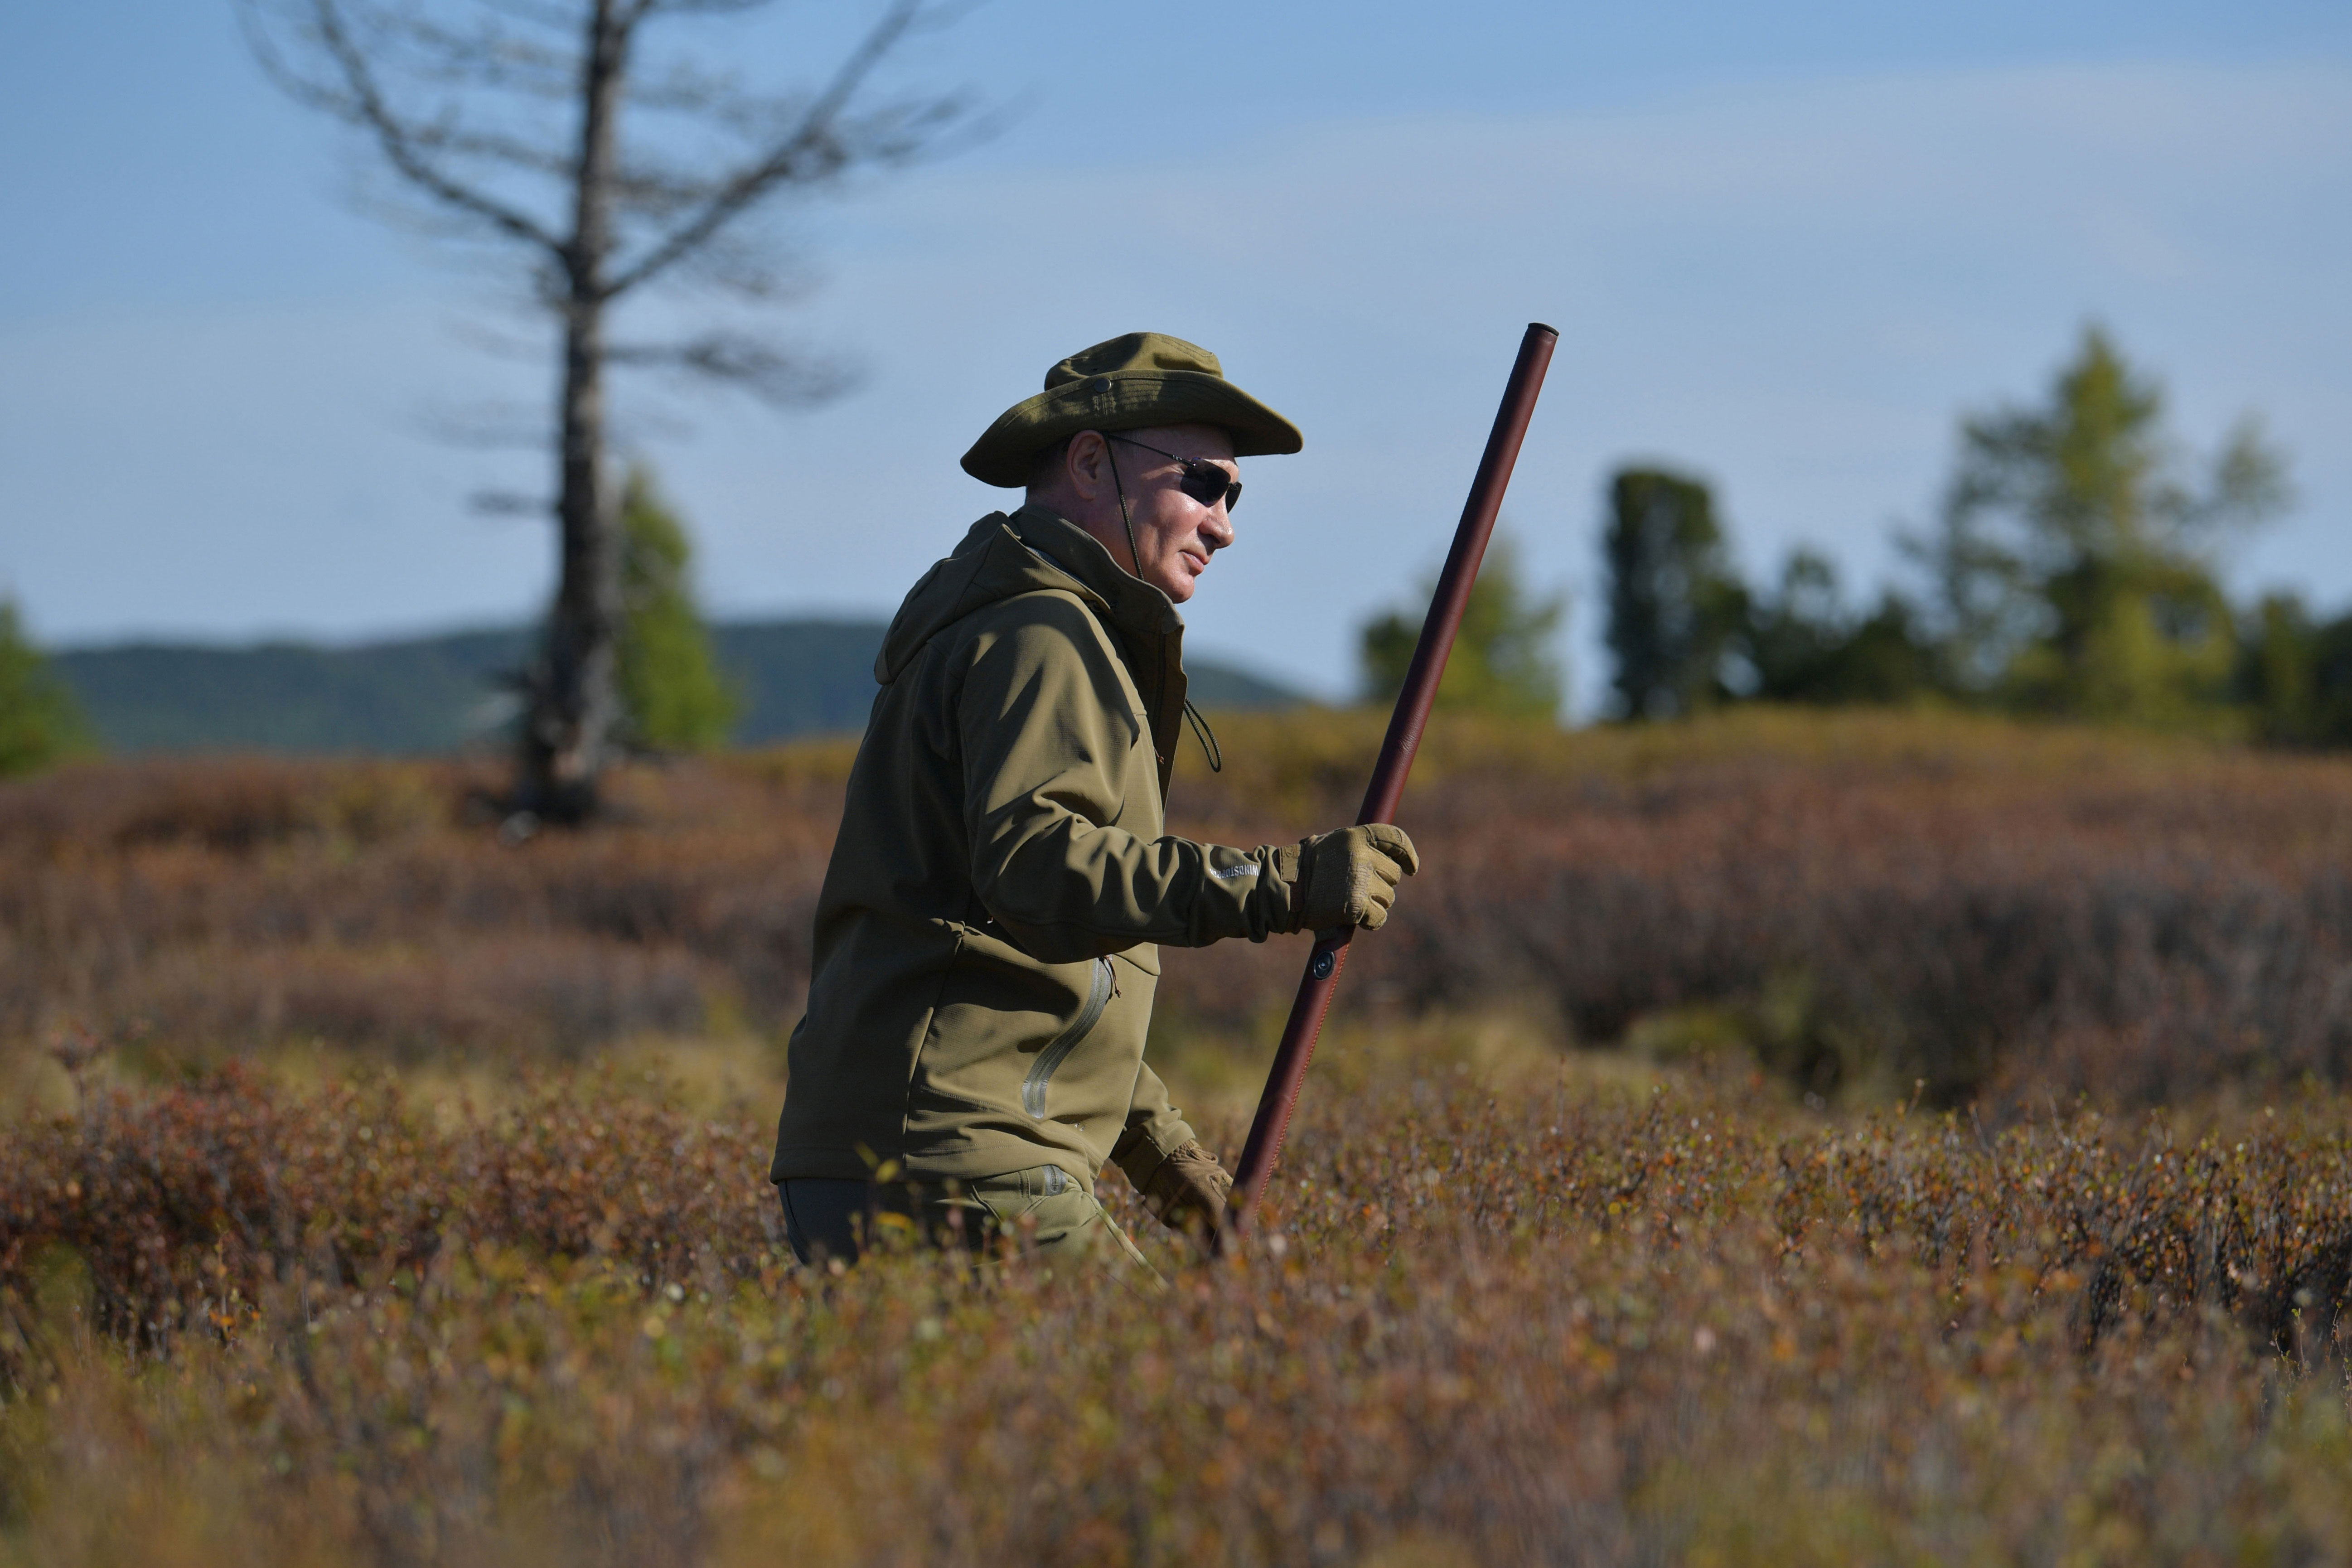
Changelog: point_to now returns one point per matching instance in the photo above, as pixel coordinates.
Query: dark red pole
(1387, 789)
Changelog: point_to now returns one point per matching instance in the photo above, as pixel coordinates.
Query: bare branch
(493, 426)
(508, 503)
(554, 17)
(809, 150)
(488, 56)
(2251, 481)
(698, 7)
(492, 147)
(717, 97)
(408, 43)
(497, 344)
(746, 267)
(359, 99)
(773, 375)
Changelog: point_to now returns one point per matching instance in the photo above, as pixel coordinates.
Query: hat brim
(1129, 400)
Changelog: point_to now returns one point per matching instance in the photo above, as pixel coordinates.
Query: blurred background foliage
(40, 722)
(673, 696)
(1675, 606)
(1504, 662)
(2074, 571)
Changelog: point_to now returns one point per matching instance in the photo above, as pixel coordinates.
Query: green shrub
(40, 722)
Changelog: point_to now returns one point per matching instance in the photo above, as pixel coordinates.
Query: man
(987, 937)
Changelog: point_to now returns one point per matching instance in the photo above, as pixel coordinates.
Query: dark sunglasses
(1203, 480)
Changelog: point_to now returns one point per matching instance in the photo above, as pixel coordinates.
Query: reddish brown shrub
(185, 1203)
(1884, 900)
(1517, 1323)
(1872, 902)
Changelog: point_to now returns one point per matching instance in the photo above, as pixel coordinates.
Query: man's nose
(1217, 528)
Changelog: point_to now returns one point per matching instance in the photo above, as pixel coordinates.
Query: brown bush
(1879, 900)
(237, 904)
(1867, 901)
(1495, 1323)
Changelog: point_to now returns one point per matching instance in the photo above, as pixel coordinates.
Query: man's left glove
(1187, 1193)
(1350, 878)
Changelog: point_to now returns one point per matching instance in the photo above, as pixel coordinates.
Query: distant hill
(438, 694)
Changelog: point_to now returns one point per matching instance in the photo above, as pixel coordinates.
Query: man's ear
(1083, 465)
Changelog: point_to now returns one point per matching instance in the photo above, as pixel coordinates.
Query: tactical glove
(1187, 1193)
(1350, 878)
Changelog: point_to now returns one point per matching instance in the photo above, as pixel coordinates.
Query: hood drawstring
(1134, 556)
(1201, 731)
(1207, 736)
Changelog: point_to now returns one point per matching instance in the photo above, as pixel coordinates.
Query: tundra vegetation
(1773, 1138)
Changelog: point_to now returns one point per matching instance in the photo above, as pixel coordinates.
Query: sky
(1786, 247)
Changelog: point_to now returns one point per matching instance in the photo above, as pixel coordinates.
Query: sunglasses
(1203, 480)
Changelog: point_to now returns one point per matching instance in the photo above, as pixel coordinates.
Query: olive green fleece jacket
(986, 937)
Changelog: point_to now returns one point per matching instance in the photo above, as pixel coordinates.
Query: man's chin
(1177, 586)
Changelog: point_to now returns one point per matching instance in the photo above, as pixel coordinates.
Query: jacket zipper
(1057, 1050)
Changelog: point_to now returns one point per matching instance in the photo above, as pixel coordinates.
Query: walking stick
(1412, 705)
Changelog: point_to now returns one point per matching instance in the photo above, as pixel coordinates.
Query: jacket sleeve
(1155, 1130)
(1048, 743)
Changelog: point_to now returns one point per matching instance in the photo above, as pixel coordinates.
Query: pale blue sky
(1785, 245)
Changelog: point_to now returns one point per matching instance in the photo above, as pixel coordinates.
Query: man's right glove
(1187, 1193)
(1350, 878)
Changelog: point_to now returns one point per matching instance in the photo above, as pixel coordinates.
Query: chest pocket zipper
(1057, 1050)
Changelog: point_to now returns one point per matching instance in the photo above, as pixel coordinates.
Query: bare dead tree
(504, 120)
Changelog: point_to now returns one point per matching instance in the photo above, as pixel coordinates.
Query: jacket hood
(1026, 552)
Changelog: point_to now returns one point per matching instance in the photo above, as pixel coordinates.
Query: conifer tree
(1504, 661)
(673, 695)
(1675, 607)
(40, 722)
(2075, 562)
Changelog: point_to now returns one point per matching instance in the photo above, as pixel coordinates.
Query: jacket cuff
(1277, 894)
(1139, 1154)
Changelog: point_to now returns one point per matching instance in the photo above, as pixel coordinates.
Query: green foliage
(40, 723)
(1675, 605)
(1689, 636)
(675, 698)
(2296, 677)
(1804, 646)
(2074, 564)
(2074, 577)
(1504, 662)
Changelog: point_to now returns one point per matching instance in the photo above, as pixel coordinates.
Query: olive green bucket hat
(1130, 382)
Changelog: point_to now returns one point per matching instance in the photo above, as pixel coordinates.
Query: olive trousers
(1040, 1212)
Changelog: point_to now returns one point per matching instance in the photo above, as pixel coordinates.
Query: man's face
(1174, 534)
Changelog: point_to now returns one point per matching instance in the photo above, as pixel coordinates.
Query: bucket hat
(1130, 382)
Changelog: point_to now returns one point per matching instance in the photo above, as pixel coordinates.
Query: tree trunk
(566, 732)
